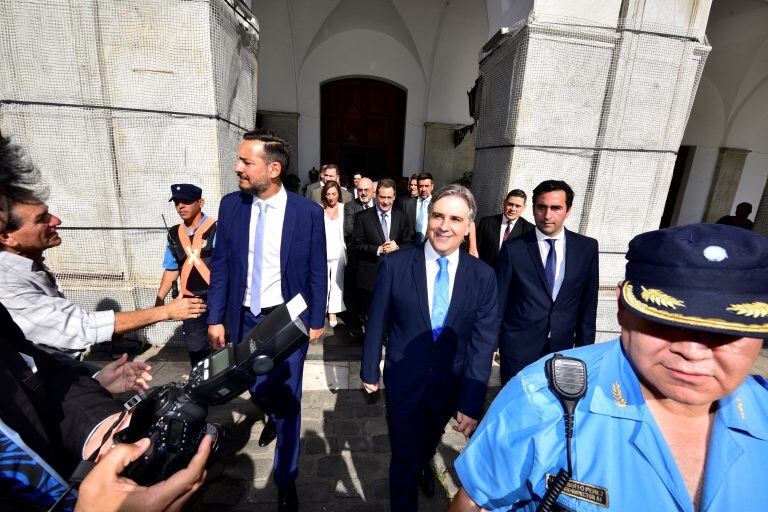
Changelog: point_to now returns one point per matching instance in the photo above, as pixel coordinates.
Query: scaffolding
(115, 100)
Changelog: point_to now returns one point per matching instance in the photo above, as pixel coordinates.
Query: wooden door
(362, 126)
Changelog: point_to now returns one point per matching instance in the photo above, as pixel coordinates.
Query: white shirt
(271, 292)
(431, 256)
(504, 222)
(559, 257)
(423, 203)
(44, 315)
(388, 216)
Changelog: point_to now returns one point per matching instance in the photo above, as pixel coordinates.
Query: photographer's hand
(182, 308)
(122, 376)
(104, 490)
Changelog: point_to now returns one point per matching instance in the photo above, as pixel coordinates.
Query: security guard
(187, 257)
(671, 419)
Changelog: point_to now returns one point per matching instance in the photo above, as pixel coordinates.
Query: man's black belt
(264, 311)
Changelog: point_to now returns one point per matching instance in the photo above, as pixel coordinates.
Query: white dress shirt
(45, 316)
(559, 257)
(504, 222)
(271, 292)
(423, 203)
(430, 257)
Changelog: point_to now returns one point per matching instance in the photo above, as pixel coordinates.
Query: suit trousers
(414, 433)
(278, 394)
(510, 367)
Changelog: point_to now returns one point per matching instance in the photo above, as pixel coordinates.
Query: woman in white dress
(336, 249)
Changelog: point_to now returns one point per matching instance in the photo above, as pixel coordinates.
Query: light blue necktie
(420, 220)
(440, 298)
(258, 258)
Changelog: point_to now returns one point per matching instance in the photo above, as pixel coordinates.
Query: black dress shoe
(287, 501)
(268, 434)
(427, 482)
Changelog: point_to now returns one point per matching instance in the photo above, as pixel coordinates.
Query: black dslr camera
(173, 416)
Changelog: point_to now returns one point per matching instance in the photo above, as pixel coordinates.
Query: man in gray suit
(329, 172)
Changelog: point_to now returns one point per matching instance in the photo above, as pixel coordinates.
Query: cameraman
(53, 413)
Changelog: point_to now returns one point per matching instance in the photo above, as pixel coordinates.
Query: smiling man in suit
(270, 246)
(494, 230)
(440, 306)
(548, 281)
(377, 232)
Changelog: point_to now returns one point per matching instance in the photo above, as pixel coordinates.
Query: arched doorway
(362, 126)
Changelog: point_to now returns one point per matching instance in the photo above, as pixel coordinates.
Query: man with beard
(270, 246)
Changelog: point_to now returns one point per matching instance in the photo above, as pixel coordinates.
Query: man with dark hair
(406, 200)
(270, 247)
(355, 180)
(494, 230)
(330, 172)
(187, 257)
(55, 412)
(548, 282)
(741, 219)
(415, 208)
(671, 418)
(439, 305)
(377, 232)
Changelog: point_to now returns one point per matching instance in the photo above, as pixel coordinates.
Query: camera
(173, 416)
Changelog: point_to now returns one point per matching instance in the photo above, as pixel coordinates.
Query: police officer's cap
(185, 192)
(706, 277)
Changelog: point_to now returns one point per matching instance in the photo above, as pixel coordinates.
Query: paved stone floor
(344, 456)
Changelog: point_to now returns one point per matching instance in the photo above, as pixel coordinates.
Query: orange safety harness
(193, 248)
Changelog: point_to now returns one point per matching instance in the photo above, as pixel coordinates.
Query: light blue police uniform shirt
(169, 262)
(617, 445)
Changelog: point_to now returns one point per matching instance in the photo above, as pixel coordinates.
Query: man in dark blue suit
(440, 306)
(548, 281)
(270, 246)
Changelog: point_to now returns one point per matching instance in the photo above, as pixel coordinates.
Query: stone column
(761, 217)
(286, 125)
(599, 103)
(725, 182)
(443, 159)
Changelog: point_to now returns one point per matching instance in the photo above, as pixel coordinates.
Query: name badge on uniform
(581, 491)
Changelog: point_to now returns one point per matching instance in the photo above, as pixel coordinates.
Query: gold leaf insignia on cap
(660, 298)
(618, 396)
(753, 309)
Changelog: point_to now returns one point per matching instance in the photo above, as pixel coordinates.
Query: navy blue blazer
(451, 372)
(528, 312)
(303, 264)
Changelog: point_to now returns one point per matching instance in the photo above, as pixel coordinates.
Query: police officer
(187, 258)
(671, 419)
